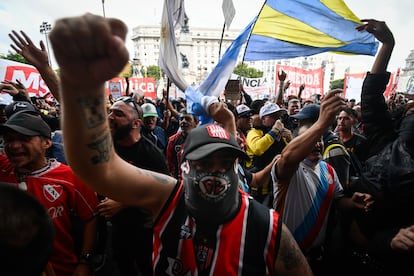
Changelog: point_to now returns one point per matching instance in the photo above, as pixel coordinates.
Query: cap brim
(19, 129)
(299, 116)
(246, 113)
(275, 112)
(207, 149)
(150, 115)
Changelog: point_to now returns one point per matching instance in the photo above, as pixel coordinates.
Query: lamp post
(103, 8)
(45, 28)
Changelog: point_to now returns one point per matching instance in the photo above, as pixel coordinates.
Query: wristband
(273, 134)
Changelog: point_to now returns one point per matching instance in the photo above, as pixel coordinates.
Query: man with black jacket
(388, 172)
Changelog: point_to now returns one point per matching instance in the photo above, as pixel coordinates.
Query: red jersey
(62, 194)
(246, 245)
(174, 152)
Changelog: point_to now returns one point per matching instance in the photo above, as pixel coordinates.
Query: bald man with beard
(132, 234)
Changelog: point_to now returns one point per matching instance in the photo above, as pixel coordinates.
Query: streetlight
(103, 7)
(45, 28)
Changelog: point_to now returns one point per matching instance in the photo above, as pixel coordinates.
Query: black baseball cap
(206, 139)
(20, 106)
(26, 124)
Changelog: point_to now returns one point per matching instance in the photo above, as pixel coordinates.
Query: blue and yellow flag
(294, 28)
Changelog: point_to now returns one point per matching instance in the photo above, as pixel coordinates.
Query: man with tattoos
(204, 224)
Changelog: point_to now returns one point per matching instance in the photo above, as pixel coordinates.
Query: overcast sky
(28, 15)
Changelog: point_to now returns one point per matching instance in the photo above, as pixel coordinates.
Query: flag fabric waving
(197, 99)
(172, 17)
(215, 82)
(293, 28)
(228, 11)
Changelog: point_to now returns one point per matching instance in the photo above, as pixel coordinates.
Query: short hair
(350, 111)
(256, 105)
(184, 112)
(26, 233)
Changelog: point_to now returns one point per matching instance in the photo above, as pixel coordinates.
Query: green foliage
(127, 74)
(244, 71)
(337, 84)
(153, 71)
(14, 57)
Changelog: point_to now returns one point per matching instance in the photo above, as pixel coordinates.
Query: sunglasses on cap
(129, 99)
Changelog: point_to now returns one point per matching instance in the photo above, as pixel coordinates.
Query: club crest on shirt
(330, 179)
(52, 192)
(204, 256)
(185, 232)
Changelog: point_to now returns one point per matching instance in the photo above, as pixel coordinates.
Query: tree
(14, 57)
(244, 71)
(337, 84)
(153, 71)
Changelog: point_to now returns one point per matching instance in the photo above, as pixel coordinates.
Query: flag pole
(167, 94)
(221, 40)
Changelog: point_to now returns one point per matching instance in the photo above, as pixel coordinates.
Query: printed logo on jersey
(185, 233)
(216, 131)
(185, 167)
(330, 179)
(204, 256)
(52, 192)
(175, 267)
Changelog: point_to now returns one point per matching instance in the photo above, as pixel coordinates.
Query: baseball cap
(3, 102)
(149, 110)
(20, 106)
(243, 110)
(268, 109)
(310, 111)
(26, 124)
(206, 139)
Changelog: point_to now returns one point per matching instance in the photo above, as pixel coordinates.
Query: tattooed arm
(90, 50)
(290, 259)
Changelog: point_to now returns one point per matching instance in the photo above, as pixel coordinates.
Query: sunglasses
(129, 99)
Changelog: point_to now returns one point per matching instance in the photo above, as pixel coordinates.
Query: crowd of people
(135, 186)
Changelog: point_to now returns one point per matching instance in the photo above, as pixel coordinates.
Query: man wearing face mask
(204, 225)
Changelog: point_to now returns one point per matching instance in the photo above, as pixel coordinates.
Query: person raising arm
(90, 49)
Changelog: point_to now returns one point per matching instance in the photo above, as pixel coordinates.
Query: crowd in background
(371, 232)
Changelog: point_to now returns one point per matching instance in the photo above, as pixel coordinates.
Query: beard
(121, 132)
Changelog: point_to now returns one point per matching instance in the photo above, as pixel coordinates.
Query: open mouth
(316, 151)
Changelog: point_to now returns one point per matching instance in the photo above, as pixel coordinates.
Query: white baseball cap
(268, 109)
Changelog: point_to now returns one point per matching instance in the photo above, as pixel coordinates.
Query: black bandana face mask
(211, 198)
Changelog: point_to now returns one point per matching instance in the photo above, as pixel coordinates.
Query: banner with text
(26, 74)
(312, 79)
(257, 88)
(147, 85)
(31, 79)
